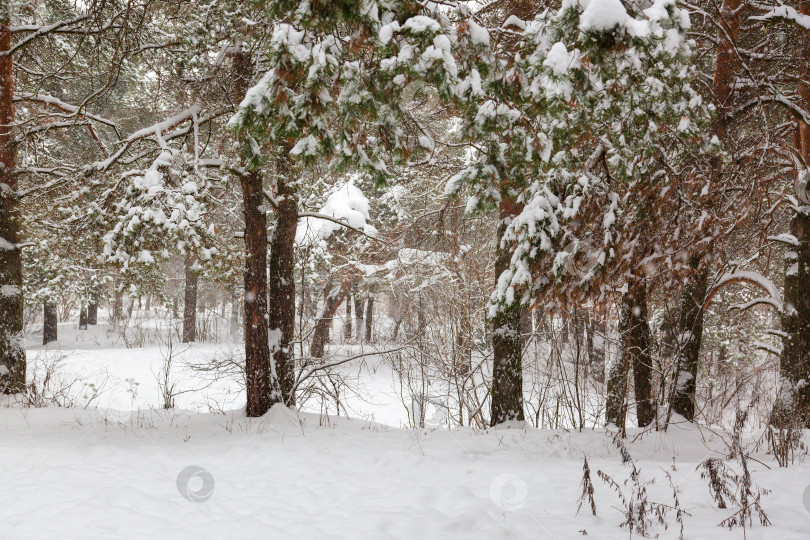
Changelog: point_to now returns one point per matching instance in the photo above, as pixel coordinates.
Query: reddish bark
(257, 351)
(281, 313)
(12, 353)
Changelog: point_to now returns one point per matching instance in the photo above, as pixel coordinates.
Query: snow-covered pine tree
(619, 149)
(331, 92)
(53, 79)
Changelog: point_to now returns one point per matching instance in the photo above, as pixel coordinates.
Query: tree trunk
(619, 370)
(690, 324)
(525, 326)
(49, 322)
(118, 303)
(397, 325)
(333, 298)
(12, 352)
(83, 316)
(92, 313)
(793, 401)
(358, 312)
(369, 316)
(690, 334)
(282, 283)
(257, 351)
(234, 330)
(597, 346)
(639, 351)
(347, 324)
(507, 369)
(634, 352)
(190, 302)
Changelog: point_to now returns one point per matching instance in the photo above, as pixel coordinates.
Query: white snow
(603, 15)
(124, 468)
(347, 203)
(785, 12)
(753, 278)
(9, 290)
(559, 60)
(421, 23)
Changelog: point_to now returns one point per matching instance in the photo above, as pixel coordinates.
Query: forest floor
(125, 468)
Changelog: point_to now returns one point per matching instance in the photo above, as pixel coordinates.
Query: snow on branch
(346, 207)
(751, 278)
(785, 238)
(157, 130)
(787, 13)
(777, 305)
(64, 107)
(767, 347)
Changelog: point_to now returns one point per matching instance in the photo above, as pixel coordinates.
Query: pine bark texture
(641, 358)
(190, 302)
(257, 350)
(793, 401)
(689, 339)
(507, 368)
(281, 313)
(12, 352)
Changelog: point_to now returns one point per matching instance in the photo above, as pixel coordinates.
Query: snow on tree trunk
(333, 298)
(190, 302)
(794, 362)
(282, 283)
(49, 322)
(507, 369)
(690, 335)
(618, 370)
(12, 353)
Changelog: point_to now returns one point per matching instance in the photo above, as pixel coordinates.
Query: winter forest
(405, 268)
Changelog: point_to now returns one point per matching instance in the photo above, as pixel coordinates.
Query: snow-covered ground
(125, 468)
